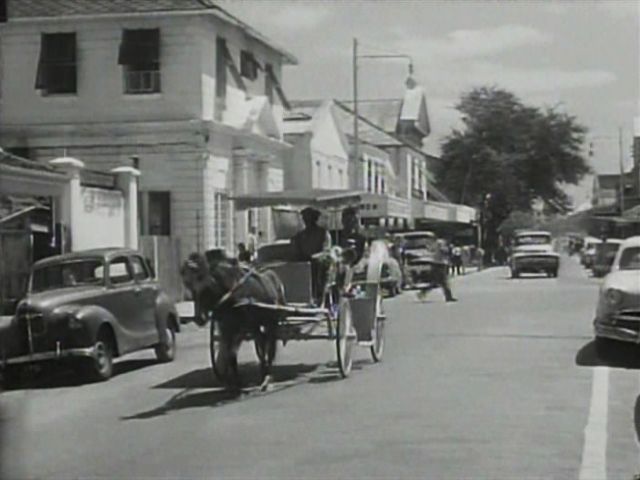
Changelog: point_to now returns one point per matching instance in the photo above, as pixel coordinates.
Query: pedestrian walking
(441, 273)
(456, 260)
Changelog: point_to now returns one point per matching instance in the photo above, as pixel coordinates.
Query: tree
(509, 154)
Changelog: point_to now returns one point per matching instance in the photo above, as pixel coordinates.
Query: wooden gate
(16, 253)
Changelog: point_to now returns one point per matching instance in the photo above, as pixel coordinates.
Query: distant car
(604, 255)
(618, 310)
(87, 308)
(419, 264)
(532, 252)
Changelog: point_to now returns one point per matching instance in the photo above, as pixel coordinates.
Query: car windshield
(415, 242)
(533, 239)
(68, 274)
(630, 259)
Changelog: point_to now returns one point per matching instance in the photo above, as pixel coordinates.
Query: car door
(146, 292)
(122, 302)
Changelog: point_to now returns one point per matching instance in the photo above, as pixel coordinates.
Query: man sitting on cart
(310, 242)
(350, 236)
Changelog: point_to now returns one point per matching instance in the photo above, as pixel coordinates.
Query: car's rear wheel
(100, 366)
(514, 273)
(166, 352)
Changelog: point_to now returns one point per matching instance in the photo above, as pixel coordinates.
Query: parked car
(589, 251)
(604, 255)
(87, 308)
(532, 252)
(618, 310)
(418, 258)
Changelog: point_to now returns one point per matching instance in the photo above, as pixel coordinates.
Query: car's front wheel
(166, 352)
(100, 366)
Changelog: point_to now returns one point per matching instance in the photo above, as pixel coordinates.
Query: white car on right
(618, 310)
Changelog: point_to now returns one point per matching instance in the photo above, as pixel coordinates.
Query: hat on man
(311, 214)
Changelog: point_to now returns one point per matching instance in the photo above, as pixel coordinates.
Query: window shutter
(41, 73)
(235, 73)
(139, 47)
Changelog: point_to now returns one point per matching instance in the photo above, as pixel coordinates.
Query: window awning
(317, 198)
(139, 46)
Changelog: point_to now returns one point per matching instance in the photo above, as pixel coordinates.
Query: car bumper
(619, 328)
(58, 354)
(536, 263)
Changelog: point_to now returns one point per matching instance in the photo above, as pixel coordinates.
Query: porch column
(71, 200)
(127, 181)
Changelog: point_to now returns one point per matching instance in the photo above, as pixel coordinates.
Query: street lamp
(356, 56)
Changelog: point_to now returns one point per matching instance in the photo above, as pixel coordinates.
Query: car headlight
(74, 322)
(613, 296)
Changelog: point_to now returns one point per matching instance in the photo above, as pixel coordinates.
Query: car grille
(30, 327)
(628, 324)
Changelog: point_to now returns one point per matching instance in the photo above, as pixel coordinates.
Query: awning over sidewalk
(317, 198)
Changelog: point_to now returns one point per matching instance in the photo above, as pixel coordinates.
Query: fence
(164, 253)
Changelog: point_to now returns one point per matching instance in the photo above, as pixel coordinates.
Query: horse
(221, 290)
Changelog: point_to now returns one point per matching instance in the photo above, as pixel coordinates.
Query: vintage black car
(87, 308)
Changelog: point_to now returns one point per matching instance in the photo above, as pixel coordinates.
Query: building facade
(182, 90)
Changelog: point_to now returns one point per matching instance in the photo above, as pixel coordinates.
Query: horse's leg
(269, 339)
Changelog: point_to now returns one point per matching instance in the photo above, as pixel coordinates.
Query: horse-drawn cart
(347, 309)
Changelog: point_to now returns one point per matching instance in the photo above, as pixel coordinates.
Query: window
(140, 58)
(159, 213)
(57, 68)
(248, 65)
(221, 68)
(119, 271)
(221, 218)
(139, 269)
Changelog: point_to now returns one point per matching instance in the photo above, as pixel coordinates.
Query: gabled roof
(27, 9)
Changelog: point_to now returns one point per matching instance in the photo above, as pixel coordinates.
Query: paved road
(501, 385)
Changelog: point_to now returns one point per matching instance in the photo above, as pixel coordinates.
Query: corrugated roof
(15, 161)
(26, 9)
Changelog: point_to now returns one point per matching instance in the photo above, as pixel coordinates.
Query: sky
(578, 56)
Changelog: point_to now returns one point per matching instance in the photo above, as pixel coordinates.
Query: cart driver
(350, 235)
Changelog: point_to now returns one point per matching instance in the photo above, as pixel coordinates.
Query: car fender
(165, 309)
(93, 317)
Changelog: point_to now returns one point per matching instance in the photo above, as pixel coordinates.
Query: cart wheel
(378, 334)
(345, 338)
(216, 351)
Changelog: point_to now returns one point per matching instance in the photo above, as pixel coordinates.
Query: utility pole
(621, 170)
(356, 138)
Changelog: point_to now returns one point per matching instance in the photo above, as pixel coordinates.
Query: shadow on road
(41, 377)
(626, 356)
(284, 376)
